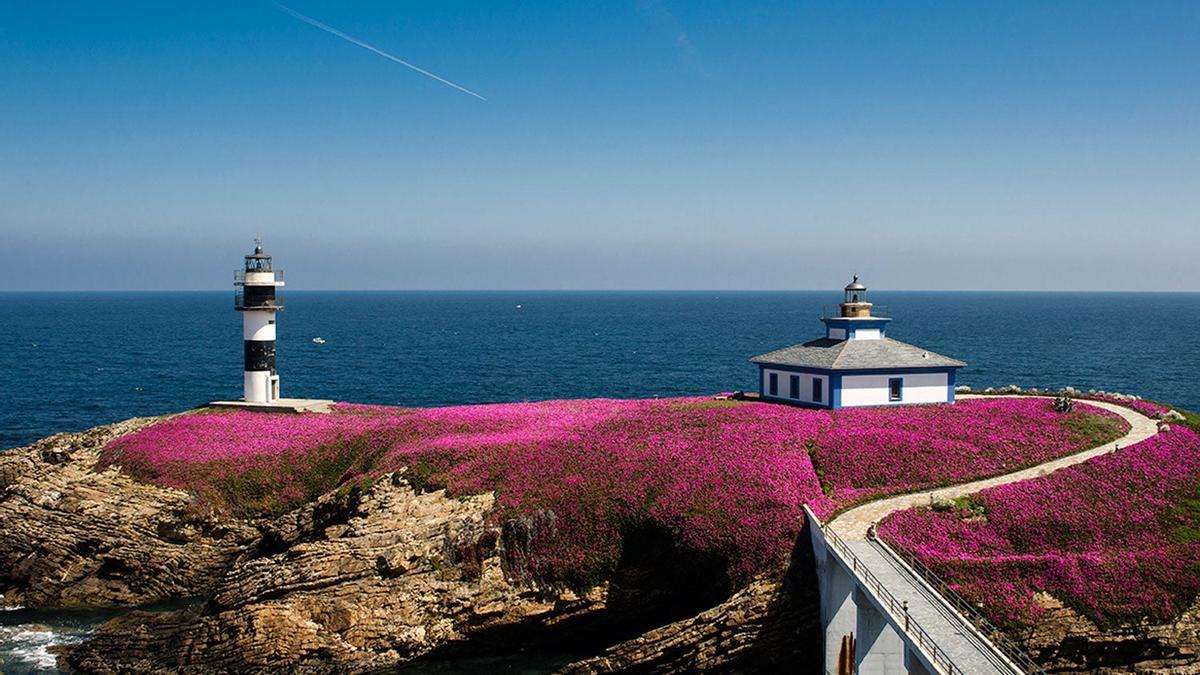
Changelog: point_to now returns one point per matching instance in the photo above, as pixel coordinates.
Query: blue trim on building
(855, 371)
(833, 394)
(793, 369)
(895, 371)
(860, 320)
(851, 324)
(860, 371)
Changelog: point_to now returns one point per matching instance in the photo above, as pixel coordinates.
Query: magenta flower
(1116, 537)
(725, 478)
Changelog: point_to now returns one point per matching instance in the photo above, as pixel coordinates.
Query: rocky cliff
(74, 536)
(361, 580)
(356, 581)
(1066, 642)
(372, 579)
(768, 626)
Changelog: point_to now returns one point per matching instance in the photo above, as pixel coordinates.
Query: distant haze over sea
(75, 360)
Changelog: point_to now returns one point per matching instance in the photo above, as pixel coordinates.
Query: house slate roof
(827, 354)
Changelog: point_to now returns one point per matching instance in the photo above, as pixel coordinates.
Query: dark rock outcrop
(75, 536)
(757, 630)
(1066, 642)
(770, 625)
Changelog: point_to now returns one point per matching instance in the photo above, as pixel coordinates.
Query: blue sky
(622, 144)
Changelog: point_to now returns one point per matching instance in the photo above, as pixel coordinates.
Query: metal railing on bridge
(897, 608)
(998, 638)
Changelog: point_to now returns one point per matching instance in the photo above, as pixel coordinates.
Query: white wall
(873, 389)
(256, 385)
(261, 279)
(836, 333)
(839, 612)
(880, 649)
(867, 334)
(806, 386)
(258, 325)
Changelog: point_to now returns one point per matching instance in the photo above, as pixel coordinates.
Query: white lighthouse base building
(856, 364)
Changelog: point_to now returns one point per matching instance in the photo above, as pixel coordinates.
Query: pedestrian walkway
(926, 621)
(852, 525)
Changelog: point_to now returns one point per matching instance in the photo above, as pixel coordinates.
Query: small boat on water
(319, 340)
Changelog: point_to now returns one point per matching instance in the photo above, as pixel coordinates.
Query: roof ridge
(830, 354)
(840, 353)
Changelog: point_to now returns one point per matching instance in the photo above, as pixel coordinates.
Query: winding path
(956, 637)
(852, 524)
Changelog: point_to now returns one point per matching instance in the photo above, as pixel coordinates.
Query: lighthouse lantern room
(254, 297)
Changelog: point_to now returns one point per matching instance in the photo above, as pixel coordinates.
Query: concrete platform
(291, 405)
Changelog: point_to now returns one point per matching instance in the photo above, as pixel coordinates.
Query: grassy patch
(1096, 430)
(1190, 419)
(706, 405)
(1188, 515)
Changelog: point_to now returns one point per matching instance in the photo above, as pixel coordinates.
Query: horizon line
(599, 290)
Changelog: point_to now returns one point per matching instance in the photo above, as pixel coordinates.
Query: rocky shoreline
(367, 580)
(361, 580)
(78, 537)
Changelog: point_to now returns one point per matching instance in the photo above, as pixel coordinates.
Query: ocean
(74, 360)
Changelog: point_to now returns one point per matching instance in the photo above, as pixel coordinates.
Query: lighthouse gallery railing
(239, 276)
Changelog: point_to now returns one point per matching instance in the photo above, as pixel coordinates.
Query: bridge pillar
(838, 614)
(881, 650)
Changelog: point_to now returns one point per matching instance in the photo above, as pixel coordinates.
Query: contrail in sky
(330, 29)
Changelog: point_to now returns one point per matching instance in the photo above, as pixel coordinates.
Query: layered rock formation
(1066, 642)
(356, 581)
(768, 626)
(74, 536)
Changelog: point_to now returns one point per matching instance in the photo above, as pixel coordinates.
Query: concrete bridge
(883, 616)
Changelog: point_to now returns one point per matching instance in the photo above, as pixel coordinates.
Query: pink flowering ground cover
(870, 452)
(1116, 537)
(1148, 408)
(723, 477)
(726, 478)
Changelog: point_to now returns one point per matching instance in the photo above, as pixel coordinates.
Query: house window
(818, 389)
(794, 386)
(773, 384)
(894, 391)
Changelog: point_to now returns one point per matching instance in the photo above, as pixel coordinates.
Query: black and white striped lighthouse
(254, 297)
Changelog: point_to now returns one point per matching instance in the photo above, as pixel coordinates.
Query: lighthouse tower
(254, 297)
(854, 320)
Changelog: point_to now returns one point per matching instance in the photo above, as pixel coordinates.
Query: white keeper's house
(856, 364)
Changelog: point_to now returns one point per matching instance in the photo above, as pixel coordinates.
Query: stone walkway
(852, 525)
(950, 631)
